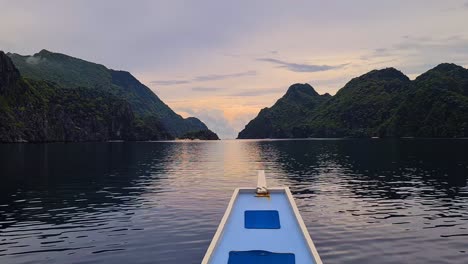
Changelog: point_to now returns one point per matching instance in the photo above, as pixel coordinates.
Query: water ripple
(364, 201)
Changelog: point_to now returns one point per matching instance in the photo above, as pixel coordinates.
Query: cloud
(416, 54)
(205, 89)
(204, 78)
(466, 4)
(169, 82)
(34, 60)
(215, 77)
(296, 67)
(257, 92)
(379, 53)
(426, 45)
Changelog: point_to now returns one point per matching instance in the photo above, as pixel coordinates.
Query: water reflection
(373, 164)
(64, 198)
(364, 201)
(53, 177)
(388, 200)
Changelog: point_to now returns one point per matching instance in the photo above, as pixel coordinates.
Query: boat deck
(234, 236)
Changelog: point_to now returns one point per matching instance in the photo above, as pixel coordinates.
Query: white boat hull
(233, 234)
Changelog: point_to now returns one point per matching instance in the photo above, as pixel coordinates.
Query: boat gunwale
(219, 232)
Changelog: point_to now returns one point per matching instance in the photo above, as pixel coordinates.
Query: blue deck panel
(260, 257)
(287, 239)
(261, 219)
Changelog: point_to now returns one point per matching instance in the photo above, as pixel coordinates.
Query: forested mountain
(54, 97)
(283, 118)
(382, 103)
(68, 72)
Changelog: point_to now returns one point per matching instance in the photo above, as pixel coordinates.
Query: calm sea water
(363, 201)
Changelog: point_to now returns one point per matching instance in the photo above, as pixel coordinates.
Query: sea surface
(363, 200)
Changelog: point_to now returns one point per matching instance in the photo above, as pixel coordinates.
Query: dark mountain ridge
(299, 101)
(383, 103)
(70, 73)
(62, 106)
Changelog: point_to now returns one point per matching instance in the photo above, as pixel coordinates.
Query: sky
(223, 61)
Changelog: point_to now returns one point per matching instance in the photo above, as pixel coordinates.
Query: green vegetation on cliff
(436, 106)
(38, 111)
(202, 134)
(381, 103)
(80, 101)
(282, 119)
(71, 73)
